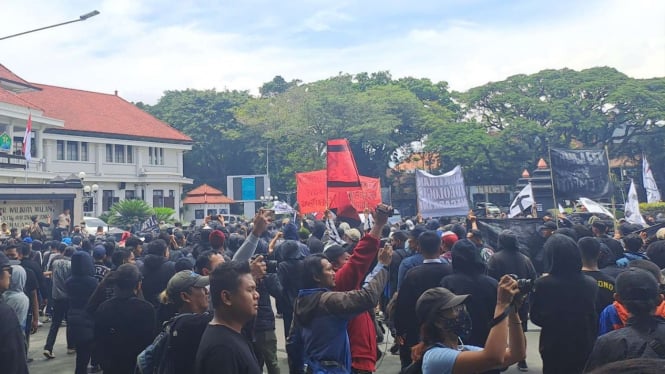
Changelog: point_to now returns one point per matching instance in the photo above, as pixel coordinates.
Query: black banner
(529, 238)
(580, 173)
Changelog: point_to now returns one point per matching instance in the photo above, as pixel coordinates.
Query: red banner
(311, 193)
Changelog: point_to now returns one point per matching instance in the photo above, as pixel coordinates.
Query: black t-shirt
(223, 350)
(605, 294)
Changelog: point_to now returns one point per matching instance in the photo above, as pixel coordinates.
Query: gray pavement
(64, 363)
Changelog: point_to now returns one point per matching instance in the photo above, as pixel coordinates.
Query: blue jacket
(319, 339)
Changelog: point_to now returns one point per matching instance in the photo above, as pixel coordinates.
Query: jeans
(59, 310)
(265, 346)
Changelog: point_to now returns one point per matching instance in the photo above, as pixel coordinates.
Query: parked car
(91, 224)
(490, 208)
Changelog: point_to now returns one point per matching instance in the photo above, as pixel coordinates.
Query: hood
(319, 229)
(82, 264)
(290, 232)
(153, 262)
(306, 305)
(17, 282)
(467, 258)
(564, 255)
(290, 250)
(508, 241)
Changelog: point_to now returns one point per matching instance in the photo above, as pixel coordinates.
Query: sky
(142, 48)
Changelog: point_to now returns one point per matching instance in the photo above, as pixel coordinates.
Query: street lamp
(268, 201)
(81, 18)
(89, 192)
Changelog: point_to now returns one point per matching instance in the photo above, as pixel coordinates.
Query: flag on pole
(632, 208)
(341, 166)
(653, 194)
(27, 139)
(522, 201)
(593, 207)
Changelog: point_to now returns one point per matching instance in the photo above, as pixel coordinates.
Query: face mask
(461, 325)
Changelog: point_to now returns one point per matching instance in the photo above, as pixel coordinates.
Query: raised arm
(246, 250)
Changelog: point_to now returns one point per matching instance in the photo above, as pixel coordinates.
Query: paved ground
(64, 363)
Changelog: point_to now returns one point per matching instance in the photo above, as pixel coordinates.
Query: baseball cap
(416, 231)
(449, 238)
(27, 240)
(636, 285)
(183, 280)
(436, 299)
(353, 234)
(99, 252)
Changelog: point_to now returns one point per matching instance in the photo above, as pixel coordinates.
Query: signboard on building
(18, 213)
(5, 143)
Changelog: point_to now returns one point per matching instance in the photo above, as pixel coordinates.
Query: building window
(130, 194)
(84, 151)
(71, 151)
(198, 214)
(156, 156)
(157, 198)
(119, 154)
(60, 150)
(107, 200)
(109, 153)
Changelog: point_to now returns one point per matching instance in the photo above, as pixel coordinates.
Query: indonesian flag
(27, 139)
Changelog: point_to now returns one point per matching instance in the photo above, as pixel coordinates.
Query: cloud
(144, 48)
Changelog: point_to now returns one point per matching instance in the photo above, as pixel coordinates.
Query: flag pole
(534, 209)
(549, 153)
(609, 176)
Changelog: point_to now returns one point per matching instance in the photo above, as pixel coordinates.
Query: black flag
(580, 173)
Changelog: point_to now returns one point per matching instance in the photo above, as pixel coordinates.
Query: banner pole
(534, 209)
(549, 153)
(609, 177)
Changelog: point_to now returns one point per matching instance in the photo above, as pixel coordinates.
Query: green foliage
(127, 212)
(164, 214)
(652, 208)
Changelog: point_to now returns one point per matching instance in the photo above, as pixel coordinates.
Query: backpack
(416, 367)
(152, 359)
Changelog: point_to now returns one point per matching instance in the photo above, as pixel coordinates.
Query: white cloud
(125, 48)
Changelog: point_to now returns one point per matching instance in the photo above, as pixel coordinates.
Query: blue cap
(27, 240)
(67, 241)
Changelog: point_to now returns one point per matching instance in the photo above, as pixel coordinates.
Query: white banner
(653, 195)
(281, 207)
(441, 195)
(593, 207)
(632, 208)
(522, 201)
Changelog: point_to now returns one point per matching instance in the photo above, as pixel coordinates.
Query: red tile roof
(205, 194)
(94, 112)
(9, 75)
(15, 99)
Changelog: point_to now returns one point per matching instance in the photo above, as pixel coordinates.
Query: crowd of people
(200, 299)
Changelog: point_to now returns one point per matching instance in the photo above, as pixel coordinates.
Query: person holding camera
(564, 305)
(445, 322)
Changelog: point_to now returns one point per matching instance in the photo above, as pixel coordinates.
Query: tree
(277, 86)
(164, 214)
(127, 212)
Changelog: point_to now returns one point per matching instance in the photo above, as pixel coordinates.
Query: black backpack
(416, 367)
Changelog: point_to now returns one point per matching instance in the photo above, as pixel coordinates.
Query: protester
(644, 334)
(12, 349)
(590, 251)
(319, 339)
(157, 270)
(444, 322)
(62, 270)
(633, 244)
(412, 248)
(563, 305)
(124, 324)
(14, 296)
(289, 272)
(469, 278)
(80, 287)
(223, 348)
(418, 280)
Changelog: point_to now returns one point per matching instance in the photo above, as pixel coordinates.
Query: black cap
(636, 285)
(549, 225)
(417, 230)
(436, 299)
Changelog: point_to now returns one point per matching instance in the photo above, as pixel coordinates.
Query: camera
(271, 265)
(386, 209)
(525, 285)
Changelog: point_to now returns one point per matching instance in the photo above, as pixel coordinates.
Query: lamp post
(89, 193)
(268, 201)
(81, 18)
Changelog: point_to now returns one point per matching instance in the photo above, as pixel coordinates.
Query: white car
(91, 224)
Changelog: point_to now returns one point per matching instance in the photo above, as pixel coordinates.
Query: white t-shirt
(441, 360)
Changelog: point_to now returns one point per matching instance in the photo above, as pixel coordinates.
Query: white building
(204, 201)
(120, 151)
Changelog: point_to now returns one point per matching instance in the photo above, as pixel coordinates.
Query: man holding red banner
(362, 333)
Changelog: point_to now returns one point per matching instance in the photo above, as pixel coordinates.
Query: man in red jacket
(362, 334)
